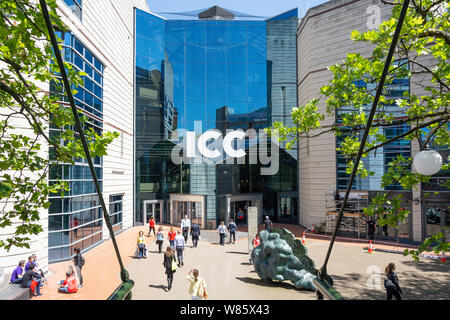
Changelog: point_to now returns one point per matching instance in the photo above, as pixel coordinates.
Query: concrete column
(416, 212)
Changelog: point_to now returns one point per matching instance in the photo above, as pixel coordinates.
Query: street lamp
(427, 162)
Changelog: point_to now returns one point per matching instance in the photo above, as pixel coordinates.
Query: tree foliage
(27, 110)
(422, 57)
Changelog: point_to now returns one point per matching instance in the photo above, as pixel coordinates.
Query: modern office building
(101, 45)
(202, 70)
(323, 39)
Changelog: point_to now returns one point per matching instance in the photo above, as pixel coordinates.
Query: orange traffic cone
(443, 258)
(303, 239)
(370, 247)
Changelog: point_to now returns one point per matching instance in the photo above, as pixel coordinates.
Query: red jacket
(151, 222)
(256, 242)
(172, 235)
(71, 283)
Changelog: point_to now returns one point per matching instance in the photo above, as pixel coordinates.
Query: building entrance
(153, 208)
(187, 205)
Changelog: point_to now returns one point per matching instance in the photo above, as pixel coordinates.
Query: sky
(263, 8)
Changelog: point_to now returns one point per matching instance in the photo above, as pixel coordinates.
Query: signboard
(252, 218)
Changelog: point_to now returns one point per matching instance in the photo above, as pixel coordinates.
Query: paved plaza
(229, 276)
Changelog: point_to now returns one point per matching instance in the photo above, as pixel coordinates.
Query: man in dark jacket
(268, 224)
(195, 233)
(370, 228)
(232, 229)
(29, 276)
(78, 261)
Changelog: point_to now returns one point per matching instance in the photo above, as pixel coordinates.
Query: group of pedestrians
(231, 228)
(175, 252)
(30, 275)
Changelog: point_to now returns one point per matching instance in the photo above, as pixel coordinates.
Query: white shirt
(185, 223)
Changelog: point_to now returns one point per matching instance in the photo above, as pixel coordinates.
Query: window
(76, 6)
(75, 220)
(115, 212)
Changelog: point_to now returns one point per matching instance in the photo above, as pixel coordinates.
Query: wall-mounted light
(427, 162)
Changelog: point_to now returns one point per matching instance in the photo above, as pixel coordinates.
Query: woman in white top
(222, 232)
(197, 288)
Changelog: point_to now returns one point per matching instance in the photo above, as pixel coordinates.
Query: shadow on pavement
(158, 287)
(237, 252)
(269, 283)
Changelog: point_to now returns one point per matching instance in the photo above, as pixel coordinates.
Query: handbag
(205, 294)
(33, 285)
(174, 265)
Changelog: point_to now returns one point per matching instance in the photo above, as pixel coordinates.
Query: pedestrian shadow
(270, 283)
(163, 287)
(246, 263)
(237, 252)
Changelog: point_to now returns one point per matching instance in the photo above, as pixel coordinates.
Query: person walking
(195, 234)
(240, 216)
(16, 276)
(385, 227)
(185, 225)
(171, 236)
(170, 266)
(78, 262)
(151, 226)
(222, 232)
(160, 238)
(179, 246)
(141, 245)
(197, 287)
(232, 229)
(268, 224)
(256, 241)
(370, 228)
(391, 283)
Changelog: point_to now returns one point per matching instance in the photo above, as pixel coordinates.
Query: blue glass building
(227, 70)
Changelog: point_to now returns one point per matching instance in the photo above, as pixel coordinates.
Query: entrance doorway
(229, 206)
(153, 208)
(188, 205)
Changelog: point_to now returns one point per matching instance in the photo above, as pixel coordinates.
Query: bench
(9, 291)
(15, 292)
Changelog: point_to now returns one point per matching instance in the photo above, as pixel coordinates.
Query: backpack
(389, 285)
(82, 260)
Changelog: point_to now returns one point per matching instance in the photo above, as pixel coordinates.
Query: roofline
(281, 13)
(152, 13)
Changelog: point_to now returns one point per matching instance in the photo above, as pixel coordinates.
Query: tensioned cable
(123, 272)
(398, 28)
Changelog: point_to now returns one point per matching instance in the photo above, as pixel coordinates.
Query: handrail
(123, 291)
(325, 290)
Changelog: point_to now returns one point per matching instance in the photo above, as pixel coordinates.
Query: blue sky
(255, 7)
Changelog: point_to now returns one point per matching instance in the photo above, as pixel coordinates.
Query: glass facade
(378, 161)
(75, 219)
(222, 73)
(76, 6)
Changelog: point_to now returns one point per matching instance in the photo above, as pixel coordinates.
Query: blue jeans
(180, 254)
(172, 244)
(17, 281)
(141, 250)
(63, 290)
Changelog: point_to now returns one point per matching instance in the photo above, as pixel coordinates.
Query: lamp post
(427, 162)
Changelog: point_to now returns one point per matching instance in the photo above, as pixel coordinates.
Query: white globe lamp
(427, 162)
